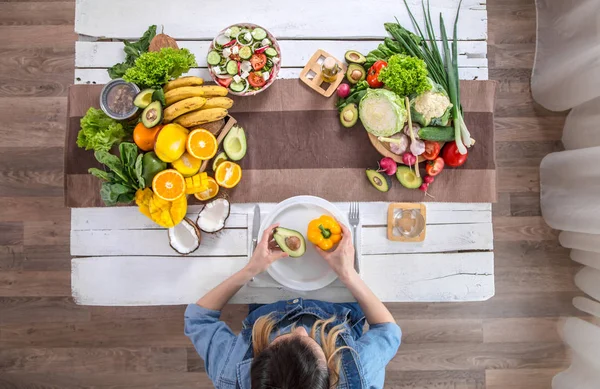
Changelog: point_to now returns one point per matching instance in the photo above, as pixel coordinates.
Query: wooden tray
(316, 82)
(390, 225)
(383, 149)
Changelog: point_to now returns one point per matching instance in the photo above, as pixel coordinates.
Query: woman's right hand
(341, 260)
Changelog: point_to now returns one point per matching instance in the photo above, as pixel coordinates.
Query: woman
(303, 344)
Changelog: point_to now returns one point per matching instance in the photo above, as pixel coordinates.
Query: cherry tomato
(433, 168)
(224, 81)
(258, 61)
(256, 80)
(452, 157)
(432, 150)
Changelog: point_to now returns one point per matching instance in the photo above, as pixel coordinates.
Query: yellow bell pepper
(324, 232)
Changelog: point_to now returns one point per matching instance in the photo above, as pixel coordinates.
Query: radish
(388, 166)
(408, 159)
(428, 179)
(424, 187)
(343, 91)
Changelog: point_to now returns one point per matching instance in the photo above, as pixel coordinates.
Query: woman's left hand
(264, 255)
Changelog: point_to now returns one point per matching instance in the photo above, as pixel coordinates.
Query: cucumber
(232, 68)
(245, 52)
(438, 134)
(259, 34)
(271, 52)
(238, 86)
(213, 58)
(235, 30)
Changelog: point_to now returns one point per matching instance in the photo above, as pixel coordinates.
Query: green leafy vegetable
(154, 69)
(132, 52)
(382, 112)
(357, 92)
(124, 177)
(98, 131)
(405, 75)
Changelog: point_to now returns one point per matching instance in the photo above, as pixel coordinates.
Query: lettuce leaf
(98, 131)
(155, 68)
(405, 75)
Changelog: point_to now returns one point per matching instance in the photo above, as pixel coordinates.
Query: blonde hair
(263, 327)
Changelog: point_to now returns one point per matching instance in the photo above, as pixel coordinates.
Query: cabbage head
(432, 107)
(382, 112)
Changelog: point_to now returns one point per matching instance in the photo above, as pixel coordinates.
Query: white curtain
(566, 75)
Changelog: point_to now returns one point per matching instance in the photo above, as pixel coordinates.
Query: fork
(354, 218)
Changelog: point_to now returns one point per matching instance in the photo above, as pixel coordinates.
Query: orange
(170, 142)
(187, 165)
(168, 185)
(213, 189)
(202, 144)
(228, 174)
(145, 137)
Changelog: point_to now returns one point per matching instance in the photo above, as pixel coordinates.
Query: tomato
(256, 80)
(224, 81)
(258, 61)
(452, 157)
(432, 150)
(373, 74)
(433, 168)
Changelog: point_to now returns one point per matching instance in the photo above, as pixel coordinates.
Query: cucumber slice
(235, 30)
(271, 52)
(232, 68)
(238, 86)
(245, 52)
(259, 34)
(213, 58)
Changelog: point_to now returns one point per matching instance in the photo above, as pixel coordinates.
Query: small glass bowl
(409, 222)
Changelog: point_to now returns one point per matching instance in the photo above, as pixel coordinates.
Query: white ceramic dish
(310, 271)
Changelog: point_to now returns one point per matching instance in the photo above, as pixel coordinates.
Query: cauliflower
(431, 107)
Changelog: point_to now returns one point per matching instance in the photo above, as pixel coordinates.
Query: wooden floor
(508, 342)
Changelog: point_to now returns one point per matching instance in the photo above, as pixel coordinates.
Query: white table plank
(100, 76)
(337, 19)
(439, 238)
(294, 53)
(230, 242)
(167, 280)
(129, 218)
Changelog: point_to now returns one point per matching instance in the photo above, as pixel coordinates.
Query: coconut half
(185, 237)
(213, 216)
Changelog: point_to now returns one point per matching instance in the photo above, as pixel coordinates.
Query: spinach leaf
(126, 198)
(132, 51)
(113, 163)
(159, 95)
(101, 174)
(139, 171)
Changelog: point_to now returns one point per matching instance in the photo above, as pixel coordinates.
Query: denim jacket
(228, 357)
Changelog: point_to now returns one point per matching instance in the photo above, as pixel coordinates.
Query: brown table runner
(297, 146)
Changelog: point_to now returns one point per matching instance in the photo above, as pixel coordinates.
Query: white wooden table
(122, 258)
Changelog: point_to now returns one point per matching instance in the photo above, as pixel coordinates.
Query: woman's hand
(341, 260)
(265, 254)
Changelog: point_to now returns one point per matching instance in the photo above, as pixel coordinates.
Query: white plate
(310, 271)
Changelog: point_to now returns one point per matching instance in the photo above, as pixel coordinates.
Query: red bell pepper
(373, 74)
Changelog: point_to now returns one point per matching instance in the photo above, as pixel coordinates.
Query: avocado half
(381, 182)
(234, 144)
(290, 241)
(349, 115)
(152, 114)
(144, 98)
(355, 73)
(408, 178)
(353, 56)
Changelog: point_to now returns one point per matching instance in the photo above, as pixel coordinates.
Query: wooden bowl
(384, 149)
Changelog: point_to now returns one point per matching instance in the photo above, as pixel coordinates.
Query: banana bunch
(190, 103)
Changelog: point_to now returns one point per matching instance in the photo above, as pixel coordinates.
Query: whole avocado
(151, 166)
